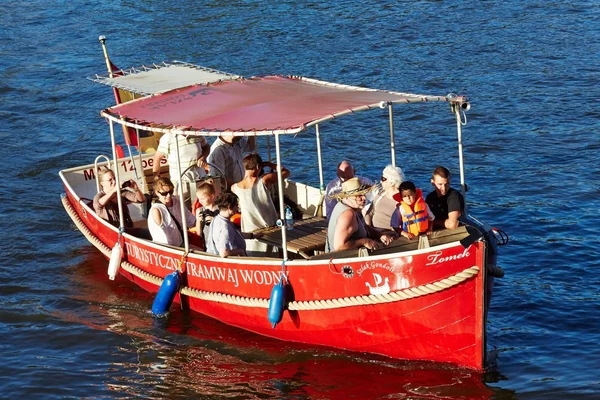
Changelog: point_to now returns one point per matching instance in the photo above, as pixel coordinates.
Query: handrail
(96, 169)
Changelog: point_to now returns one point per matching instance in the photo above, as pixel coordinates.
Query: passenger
(165, 217)
(226, 157)
(106, 203)
(413, 216)
(224, 239)
(379, 213)
(256, 205)
(345, 171)
(447, 204)
(347, 228)
(193, 153)
(208, 210)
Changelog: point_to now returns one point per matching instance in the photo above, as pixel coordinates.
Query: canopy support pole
(457, 108)
(117, 179)
(319, 159)
(269, 149)
(135, 171)
(186, 242)
(139, 150)
(281, 203)
(319, 209)
(392, 145)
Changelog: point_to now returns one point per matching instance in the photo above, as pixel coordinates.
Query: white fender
(115, 261)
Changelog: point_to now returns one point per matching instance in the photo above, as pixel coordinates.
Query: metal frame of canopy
(329, 94)
(459, 105)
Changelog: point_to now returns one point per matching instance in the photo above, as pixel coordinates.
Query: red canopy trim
(259, 106)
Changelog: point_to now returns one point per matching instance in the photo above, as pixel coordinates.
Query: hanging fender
(277, 303)
(166, 294)
(115, 261)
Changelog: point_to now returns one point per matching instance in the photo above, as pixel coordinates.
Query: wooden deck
(308, 235)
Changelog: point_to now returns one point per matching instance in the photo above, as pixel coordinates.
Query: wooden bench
(308, 235)
(400, 244)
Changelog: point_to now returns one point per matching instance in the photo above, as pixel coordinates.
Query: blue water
(531, 70)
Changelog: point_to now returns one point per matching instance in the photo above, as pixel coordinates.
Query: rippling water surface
(531, 144)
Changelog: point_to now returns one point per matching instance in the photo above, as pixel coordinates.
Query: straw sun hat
(352, 187)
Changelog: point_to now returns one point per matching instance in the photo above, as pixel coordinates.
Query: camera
(126, 184)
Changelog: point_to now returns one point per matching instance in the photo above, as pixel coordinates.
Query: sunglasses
(165, 194)
(383, 179)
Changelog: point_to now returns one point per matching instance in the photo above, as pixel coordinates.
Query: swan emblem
(379, 288)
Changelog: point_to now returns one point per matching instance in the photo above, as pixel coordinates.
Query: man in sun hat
(347, 228)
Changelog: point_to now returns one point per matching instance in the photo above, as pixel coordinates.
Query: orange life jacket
(415, 220)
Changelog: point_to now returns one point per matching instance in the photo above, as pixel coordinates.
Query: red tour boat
(424, 299)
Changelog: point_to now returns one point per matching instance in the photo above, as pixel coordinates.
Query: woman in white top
(380, 211)
(256, 205)
(164, 220)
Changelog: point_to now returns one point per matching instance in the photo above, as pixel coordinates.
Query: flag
(129, 133)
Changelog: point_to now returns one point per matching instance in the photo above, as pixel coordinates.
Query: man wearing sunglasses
(165, 220)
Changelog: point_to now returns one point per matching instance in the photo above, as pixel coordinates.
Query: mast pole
(102, 40)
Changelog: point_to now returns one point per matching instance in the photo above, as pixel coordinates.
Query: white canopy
(159, 78)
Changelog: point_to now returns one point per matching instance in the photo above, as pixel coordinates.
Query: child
(412, 211)
(208, 210)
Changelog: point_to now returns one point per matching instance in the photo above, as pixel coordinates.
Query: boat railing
(96, 169)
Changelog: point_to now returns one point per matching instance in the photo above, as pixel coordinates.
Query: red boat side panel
(446, 325)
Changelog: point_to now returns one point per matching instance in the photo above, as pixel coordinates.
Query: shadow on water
(187, 354)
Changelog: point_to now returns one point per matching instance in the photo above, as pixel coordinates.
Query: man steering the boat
(193, 154)
(347, 228)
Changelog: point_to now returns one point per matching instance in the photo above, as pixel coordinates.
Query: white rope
(410, 293)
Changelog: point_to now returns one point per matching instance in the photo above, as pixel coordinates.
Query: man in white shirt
(193, 153)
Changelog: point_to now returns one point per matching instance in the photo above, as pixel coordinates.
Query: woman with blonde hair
(380, 211)
(105, 202)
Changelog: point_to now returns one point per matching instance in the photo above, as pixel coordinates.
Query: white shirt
(168, 232)
(226, 159)
(190, 150)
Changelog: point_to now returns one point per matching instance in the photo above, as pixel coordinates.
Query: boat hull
(417, 305)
